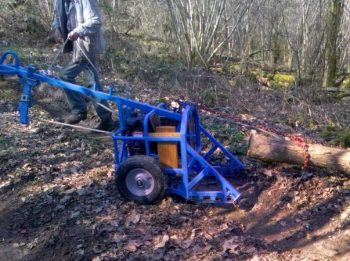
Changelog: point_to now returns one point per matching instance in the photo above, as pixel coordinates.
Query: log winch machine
(157, 150)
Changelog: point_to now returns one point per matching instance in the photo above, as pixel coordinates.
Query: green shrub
(336, 136)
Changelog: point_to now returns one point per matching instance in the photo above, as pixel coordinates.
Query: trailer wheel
(140, 178)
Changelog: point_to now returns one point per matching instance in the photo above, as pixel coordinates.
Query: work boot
(107, 125)
(75, 117)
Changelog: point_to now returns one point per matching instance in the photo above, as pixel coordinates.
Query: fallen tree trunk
(272, 149)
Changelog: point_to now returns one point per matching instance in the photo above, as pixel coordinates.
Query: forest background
(307, 39)
(199, 47)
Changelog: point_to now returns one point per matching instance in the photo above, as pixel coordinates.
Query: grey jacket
(83, 17)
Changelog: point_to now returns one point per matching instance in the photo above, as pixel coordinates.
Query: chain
(301, 141)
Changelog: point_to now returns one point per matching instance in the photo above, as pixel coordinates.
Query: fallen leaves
(160, 241)
(131, 246)
(133, 218)
(230, 246)
(66, 206)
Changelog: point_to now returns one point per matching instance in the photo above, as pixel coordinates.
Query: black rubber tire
(151, 166)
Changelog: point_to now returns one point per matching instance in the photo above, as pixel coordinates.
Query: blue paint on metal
(189, 179)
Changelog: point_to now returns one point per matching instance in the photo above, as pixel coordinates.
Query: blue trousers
(77, 101)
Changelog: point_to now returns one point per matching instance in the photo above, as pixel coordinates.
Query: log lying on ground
(272, 149)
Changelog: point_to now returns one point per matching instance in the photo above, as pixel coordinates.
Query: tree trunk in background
(335, 10)
(202, 32)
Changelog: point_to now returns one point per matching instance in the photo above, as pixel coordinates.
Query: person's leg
(104, 114)
(76, 101)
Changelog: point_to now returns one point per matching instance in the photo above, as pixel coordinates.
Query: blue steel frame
(195, 165)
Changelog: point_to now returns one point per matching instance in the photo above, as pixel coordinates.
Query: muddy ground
(58, 201)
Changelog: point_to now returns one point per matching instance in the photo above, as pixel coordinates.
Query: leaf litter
(59, 202)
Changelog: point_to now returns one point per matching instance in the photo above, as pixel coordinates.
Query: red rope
(297, 139)
(301, 141)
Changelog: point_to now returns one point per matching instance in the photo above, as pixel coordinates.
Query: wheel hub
(140, 182)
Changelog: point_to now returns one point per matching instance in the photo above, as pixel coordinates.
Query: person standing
(77, 23)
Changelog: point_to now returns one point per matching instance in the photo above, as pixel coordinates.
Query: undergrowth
(336, 136)
(233, 139)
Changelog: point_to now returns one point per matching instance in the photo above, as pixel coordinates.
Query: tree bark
(273, 149)
(335, 10)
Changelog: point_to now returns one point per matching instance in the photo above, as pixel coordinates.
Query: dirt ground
(58, 201)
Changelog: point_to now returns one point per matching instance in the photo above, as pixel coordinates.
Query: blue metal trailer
(140, 175)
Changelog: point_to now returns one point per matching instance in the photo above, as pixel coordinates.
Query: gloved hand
(58, 36)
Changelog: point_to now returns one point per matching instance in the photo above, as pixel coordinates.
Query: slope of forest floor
(59, 201)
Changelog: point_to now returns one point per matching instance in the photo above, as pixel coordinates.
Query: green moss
(222, 96)
(232, 82)
(283, 78)
(232, 138)
(209, 99)
(346, 84)
(312, 125)
(278, 86)
(256, 72)
(280, 81)
(7, 92)
(217, 70)
(343, 95)
(270, 77)
(236, 67)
